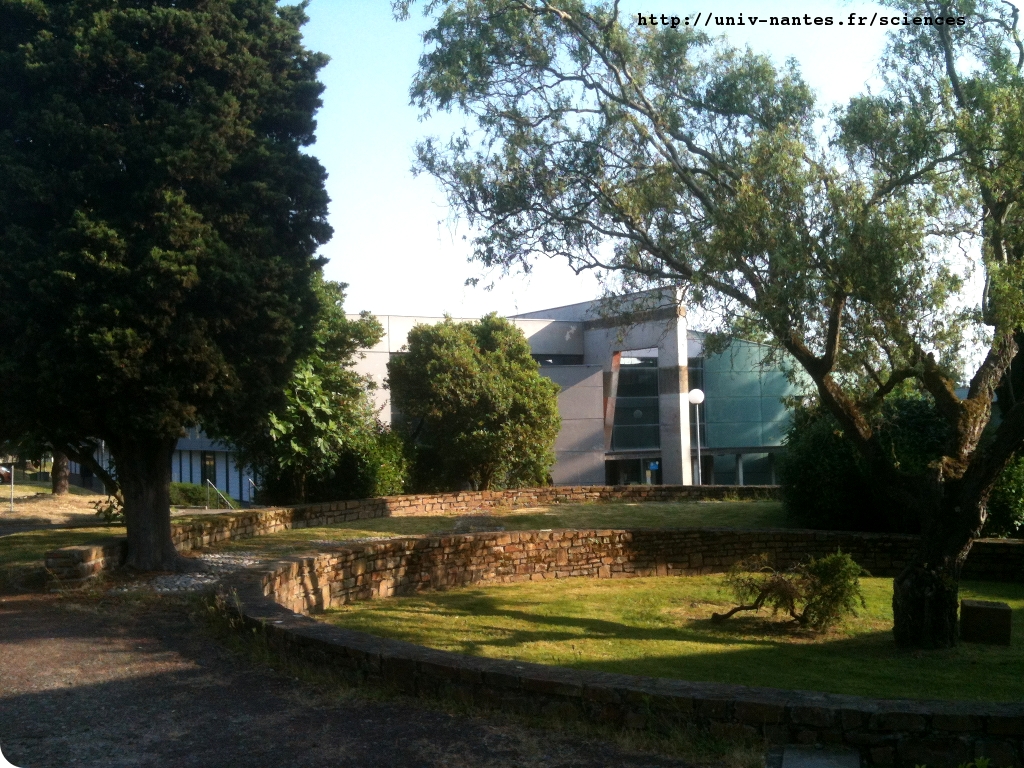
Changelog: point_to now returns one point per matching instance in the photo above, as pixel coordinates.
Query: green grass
(725, 514)
(662, 628)
(29, 549)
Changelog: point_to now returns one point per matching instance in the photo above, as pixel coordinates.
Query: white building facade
(625, 373)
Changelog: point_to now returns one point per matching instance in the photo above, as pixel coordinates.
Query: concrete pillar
(672, 403)
(739, 469)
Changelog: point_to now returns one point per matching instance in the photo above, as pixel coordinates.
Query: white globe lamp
(696, 396)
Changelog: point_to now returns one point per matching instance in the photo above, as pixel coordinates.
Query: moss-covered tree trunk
(925, 597)
(144, 472)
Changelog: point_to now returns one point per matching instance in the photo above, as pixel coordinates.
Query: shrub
(817, 594)
(192, 495)
(110, 509)
(825, 482)
(476, 410)
(1006, 505)
(373, 463)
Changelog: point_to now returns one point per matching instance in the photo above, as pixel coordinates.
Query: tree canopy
(325, 441)
(475, 406)
(667, 157)
(158, 227)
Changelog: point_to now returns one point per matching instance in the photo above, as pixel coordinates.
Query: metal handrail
(209, 485)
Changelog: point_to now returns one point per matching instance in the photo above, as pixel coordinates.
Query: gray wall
(579, 448)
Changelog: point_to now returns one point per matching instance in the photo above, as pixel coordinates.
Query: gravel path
(123, 683)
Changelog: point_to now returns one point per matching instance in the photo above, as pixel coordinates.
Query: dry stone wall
(75, 564)
(346, 573)
(887, 733)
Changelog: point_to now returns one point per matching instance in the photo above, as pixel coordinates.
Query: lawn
(29, 549)
(23, 555)
(722, 514)
(34, 504)
(662, 628)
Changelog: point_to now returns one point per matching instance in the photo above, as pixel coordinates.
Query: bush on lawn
(817, 594)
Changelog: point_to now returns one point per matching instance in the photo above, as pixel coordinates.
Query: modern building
(625, 370)
(196, 459)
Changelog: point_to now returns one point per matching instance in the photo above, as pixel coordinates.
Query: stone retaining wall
(899, 733)
(245, 524)
(346, 573)
(73, 564)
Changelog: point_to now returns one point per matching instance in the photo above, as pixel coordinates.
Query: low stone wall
(346, 573)
(995, 560)
(245, 524)
(196, 534)
(899, 733)
(75, 565)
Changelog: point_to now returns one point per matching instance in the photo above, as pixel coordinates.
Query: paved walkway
(82, 684)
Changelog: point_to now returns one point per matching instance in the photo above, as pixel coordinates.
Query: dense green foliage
(817, 594)
(474, 406)
(324, 441)
(826, 482)
(666, 158)
(158, 227)
(1006, 504)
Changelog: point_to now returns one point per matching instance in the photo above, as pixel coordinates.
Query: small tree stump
(982, 621)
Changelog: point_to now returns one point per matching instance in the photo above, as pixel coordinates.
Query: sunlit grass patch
(30, 548)
(662, 628)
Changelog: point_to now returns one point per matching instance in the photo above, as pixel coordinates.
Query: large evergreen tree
(158, 225)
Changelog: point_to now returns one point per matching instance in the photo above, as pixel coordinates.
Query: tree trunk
(59, 474)
(924, 608)
(925, 595)
(144, 473)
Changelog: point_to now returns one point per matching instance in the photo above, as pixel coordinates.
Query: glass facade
(637, 419)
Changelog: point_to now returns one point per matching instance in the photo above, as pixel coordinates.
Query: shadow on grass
(746, 650)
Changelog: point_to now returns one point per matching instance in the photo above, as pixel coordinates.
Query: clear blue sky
(392, 241)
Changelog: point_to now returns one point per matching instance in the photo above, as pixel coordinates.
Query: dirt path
(110, 685)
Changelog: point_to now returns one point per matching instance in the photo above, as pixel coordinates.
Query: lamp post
(696, 396)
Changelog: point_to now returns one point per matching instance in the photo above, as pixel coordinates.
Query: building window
(633, 472)
(546, 360)
(637, 418)
(209, 467)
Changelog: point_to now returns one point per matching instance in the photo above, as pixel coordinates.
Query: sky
(395, 241)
